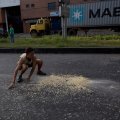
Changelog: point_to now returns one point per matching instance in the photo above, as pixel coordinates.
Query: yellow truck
(42, 27)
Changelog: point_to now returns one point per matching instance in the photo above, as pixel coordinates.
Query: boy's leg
(10, 39)
(23, 69)
(39, 64)
(13, 38)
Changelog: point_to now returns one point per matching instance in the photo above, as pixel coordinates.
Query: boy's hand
(12, 85)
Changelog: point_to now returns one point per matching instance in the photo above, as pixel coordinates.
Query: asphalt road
(77, 87)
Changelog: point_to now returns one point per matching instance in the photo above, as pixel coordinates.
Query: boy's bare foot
(11, 86)
(41, 73)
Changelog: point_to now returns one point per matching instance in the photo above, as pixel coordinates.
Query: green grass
(56, 41)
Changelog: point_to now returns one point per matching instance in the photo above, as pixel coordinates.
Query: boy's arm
(16, 72)
(33, 69)
(18, 67)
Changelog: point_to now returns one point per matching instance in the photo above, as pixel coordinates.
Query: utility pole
(64, 23)
(64, 13)
(6, 20)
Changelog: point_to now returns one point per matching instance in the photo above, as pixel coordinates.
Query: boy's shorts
(30, 65)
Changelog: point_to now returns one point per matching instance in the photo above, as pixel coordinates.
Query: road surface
(77, 87)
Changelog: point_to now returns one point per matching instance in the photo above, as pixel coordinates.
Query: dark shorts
(30, 65)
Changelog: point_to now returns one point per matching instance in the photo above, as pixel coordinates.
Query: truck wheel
(72, 32)
(33, 33)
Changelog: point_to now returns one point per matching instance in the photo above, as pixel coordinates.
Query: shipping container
(102, 14)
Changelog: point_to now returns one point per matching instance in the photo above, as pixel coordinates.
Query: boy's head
(10, 25)
(29, 52)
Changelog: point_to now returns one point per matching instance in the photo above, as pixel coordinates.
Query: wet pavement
(77, 87)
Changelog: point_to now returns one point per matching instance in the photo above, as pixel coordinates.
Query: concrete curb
(64, 50)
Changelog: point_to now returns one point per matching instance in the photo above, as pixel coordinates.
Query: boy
(27, 60)
(11, 32)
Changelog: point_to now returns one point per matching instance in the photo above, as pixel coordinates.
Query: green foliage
(3, 40)
(58, 41)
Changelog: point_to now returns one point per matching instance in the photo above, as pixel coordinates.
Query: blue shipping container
(94, 14)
